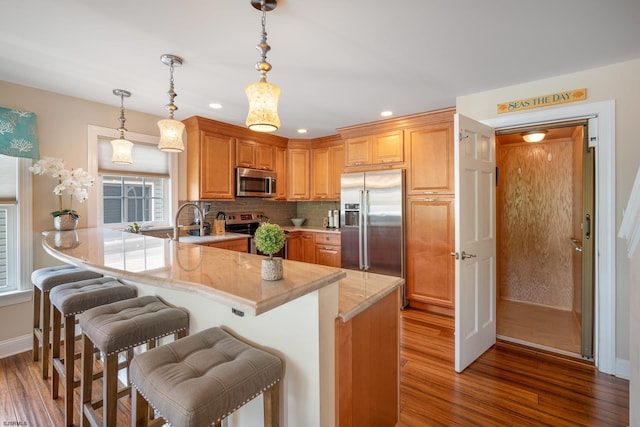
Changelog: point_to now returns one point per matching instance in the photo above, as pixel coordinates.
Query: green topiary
(269, 239)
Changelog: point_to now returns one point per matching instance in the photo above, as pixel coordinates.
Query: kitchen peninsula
(299, 318)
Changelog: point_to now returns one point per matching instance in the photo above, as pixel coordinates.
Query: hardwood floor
(509, 385)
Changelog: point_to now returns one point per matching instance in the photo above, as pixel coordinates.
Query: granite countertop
(188, 267)
(291, 228)
(360, 290)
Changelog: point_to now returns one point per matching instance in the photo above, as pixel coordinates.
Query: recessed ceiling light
(215, 106)
(386, 113)
(302, 131)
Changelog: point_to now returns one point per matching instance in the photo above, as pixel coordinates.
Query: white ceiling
(338, 62)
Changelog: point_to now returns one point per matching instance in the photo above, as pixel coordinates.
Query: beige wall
(617, 82)
(62, 130)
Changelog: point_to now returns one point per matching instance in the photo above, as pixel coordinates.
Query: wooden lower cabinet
(301, 246)
(368, 366)
(239, 245)
(328, 250)
(430, 275)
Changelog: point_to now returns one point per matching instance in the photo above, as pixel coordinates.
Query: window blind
(8, 179)
(148, 160)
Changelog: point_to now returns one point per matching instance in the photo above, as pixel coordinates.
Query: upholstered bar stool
(203, 378)
(114, 328)
(45, 279)
(68, 301)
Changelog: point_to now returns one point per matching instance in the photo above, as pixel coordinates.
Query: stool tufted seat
(116, 327)
(204, 377)
(44, 280)
(68, 301)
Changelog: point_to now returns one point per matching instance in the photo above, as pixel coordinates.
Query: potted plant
(270, 239)
(71, 182)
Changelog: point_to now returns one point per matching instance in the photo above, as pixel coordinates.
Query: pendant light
(170, 129)
(263, 96)
(121, 147)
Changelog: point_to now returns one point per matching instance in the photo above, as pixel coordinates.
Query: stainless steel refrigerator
(372, 221)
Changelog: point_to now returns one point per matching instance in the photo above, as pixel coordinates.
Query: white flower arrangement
(71, 182)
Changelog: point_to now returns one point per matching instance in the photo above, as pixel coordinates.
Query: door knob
(466, 255)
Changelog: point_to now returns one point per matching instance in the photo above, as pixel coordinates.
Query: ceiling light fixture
(170, 129)
(121, 147)
(263, 96)
(386, 113)
(534, 136)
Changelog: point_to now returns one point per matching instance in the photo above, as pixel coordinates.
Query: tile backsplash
(277, 212)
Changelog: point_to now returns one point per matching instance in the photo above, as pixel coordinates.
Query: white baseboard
(15, 345)
(623, 369)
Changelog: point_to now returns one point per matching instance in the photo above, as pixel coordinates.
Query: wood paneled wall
(535, 220)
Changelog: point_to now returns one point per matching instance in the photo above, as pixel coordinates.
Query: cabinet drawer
(328, 239)
(239, 245)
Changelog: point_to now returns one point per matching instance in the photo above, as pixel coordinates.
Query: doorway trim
(605, 273)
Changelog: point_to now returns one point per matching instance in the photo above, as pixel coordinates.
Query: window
(141, 192)
(15, 230)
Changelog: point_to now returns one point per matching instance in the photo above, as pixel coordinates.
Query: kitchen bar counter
(361, 290)
(213, 238)
(227, 277)
(291, 228)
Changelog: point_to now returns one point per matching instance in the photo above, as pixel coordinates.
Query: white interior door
(475, 218)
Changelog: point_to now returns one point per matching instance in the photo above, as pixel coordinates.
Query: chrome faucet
(176, 226)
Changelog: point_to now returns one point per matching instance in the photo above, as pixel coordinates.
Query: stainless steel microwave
(255, 183)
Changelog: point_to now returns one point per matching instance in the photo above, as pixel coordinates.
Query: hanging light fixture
(263, 96)
(170, 129)
(534, 136)
(121, 147)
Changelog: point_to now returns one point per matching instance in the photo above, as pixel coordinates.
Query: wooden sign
(543, 101)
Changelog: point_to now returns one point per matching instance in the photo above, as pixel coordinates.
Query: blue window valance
(18, 134)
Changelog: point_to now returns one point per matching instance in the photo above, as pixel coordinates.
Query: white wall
(62, 131)
(617, 82)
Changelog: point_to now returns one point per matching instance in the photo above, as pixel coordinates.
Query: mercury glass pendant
(171, 129)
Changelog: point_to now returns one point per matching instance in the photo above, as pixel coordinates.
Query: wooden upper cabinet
(298, 162)
(387, 148)
(281, 173)
(375, 149)
(429, 154)
(250, 154)
(337, 154)
(321, 177)
(210, 159)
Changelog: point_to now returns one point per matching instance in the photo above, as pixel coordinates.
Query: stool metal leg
(37, 293)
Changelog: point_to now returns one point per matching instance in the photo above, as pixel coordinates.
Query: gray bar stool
(69, 300)
(114, 328)
(203, 378)
(45, 279)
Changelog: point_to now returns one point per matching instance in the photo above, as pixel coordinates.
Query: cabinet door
(308, 247)
(358, 151)
(430, 159)
(216, 168)
(387, 148)
(321, 185)
(328, 255)
(294, 246)
(264, 157)
(430, 241)
(337, 161)
(298, 174)
(281, 173)
(245, 154)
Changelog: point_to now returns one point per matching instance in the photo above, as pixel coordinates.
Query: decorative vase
(272, 269)
(65, 222)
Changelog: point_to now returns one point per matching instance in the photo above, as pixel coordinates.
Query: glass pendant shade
(263, 107)
(121, 151)
(171, 135)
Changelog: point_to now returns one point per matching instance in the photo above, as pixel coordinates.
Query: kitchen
(69, 142)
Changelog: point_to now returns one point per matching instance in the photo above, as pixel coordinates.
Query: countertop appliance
(372, 221)
(248, 223)
(255, 183)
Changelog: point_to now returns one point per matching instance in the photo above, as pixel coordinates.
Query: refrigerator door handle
(365, 228)
(360, 234)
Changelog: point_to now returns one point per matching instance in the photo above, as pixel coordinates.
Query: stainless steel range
(248, 223)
